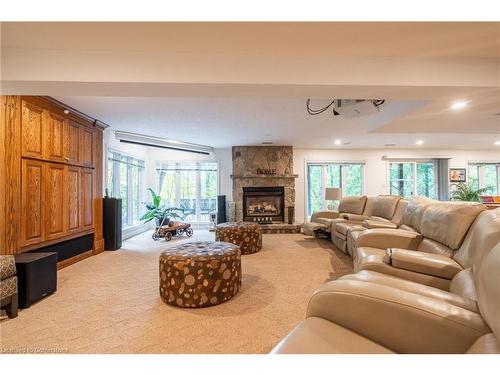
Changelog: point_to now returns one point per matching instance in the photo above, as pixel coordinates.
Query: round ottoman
(248, 236)
(200, 274)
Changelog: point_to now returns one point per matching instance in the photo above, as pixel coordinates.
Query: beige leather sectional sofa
(428, 284)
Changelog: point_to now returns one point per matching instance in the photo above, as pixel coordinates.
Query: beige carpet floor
(109, 303)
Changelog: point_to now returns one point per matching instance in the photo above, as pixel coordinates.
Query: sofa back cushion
(488, 289)
(448, 222)
(383, 206)
(483, 235)
(413, 212)
(397, 218)
(353, 205)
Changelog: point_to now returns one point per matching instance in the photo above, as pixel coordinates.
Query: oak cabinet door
(73, 186)
(32, 131)
(55, 137)
(86, 146)
(87, 198)
(73, 142)
(55, 208)
(32, 201)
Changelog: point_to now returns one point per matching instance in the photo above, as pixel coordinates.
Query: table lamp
(333, 194)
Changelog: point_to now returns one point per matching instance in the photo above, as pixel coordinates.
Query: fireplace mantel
(254, 175)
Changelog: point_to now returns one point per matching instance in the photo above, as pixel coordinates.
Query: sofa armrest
(418, 261)
(385, 238)
(372, 224)
(327, 214)
(399, 320)
(353, 217)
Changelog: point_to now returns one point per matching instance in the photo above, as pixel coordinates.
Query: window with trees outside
(347, 176)
(413, 178)
(485, 176)
(190, 186)
(124, 180)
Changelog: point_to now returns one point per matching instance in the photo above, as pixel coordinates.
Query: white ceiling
(224, 84)
(225, 122)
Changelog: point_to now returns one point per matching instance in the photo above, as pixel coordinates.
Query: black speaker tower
(112, 223)
(221, 209)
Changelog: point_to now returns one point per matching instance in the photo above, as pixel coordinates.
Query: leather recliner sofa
(321, 221)
(369, 312)
(409, 221)
(379, 211)
(429, 257)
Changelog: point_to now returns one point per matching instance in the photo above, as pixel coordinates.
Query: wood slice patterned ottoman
(200, 274)
(248, 236)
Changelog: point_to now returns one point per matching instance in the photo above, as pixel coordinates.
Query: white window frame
(116, 184)
(480, 172)
(343, 186)
(197, 182)
(414, 180)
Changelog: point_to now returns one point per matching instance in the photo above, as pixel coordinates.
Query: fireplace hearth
(264, 205)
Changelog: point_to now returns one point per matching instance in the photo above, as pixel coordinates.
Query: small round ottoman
(200, 274)
(248, 236)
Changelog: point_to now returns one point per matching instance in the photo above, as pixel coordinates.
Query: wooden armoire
(50, 176)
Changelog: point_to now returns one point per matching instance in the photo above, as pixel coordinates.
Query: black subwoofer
(36, 275)
(112, 223)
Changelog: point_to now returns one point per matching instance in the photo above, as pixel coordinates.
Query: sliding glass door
(347, 176)
(190, 186)
(124, 180)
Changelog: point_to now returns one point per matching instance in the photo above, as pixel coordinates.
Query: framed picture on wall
(457, 174)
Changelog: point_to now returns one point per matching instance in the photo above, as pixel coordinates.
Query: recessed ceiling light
(458, 104)
(497, 143)
(337, 142)
(419, 142)
(390, 145)
(347, 143)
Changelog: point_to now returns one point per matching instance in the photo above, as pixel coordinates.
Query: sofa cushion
(417, 261)
(384, 206)
(324, 221)
(353, 205)
(413, 212)
(373, 259)
(433, 247)
(344, 227)
(397, 218)
(448, 222)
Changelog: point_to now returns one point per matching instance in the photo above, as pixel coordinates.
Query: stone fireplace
(264, 187)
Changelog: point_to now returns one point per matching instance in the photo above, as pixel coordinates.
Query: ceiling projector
(349, 108)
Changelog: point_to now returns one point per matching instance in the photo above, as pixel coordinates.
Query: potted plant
(159, 212)
(466, 192)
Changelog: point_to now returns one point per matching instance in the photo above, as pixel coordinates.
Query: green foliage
(157, 210)
(467, 192)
